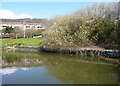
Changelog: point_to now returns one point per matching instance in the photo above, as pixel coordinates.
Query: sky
(15, 10)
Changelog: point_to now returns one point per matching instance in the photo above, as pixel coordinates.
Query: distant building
(24, 25)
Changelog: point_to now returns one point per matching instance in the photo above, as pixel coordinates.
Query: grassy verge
(34, 42)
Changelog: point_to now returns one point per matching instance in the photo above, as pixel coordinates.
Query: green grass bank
(34, 42)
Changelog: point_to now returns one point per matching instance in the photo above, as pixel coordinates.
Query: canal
(33, 67)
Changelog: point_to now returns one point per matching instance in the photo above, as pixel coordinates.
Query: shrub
(69, 31)
(88, 26)
(102, 31)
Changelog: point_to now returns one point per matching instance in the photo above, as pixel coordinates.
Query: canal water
(33, 67)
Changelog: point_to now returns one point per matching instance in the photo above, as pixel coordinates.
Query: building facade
(21, 24)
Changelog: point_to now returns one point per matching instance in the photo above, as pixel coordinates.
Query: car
(13, 37)
(37, 36)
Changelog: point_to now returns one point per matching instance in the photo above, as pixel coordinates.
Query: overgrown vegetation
(94, 25)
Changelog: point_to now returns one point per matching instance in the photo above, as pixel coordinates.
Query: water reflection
(25, 69)
(6, 71)
(43, 68)
(83, 72)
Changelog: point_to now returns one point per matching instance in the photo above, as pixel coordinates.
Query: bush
(89, 26)
(77, 31)
(103, 31)
(69, 31)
